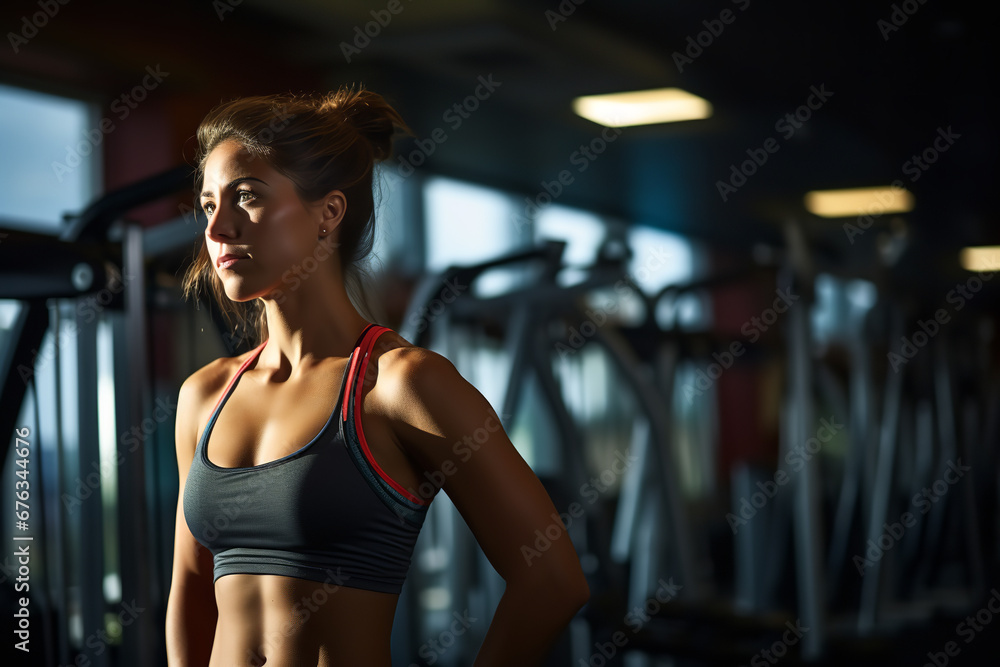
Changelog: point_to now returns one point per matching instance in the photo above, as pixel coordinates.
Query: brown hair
(321, 143)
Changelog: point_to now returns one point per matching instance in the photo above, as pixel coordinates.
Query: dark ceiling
(895, 89)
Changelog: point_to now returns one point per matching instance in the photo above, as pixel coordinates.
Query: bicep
(190, 557)
(192, 561)
(454, 432)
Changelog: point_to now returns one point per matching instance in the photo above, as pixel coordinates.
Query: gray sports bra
(326, 512)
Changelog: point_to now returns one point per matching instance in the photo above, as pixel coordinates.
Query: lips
(228, 259)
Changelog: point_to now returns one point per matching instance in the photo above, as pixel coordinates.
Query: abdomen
(289, 621)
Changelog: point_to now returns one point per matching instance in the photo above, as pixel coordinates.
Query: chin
(239, 290)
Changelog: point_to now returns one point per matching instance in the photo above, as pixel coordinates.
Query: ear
(333, 207)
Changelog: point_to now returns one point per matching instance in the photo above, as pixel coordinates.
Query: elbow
(565, 588)
(568, 598)
(572, 583)
(556, 583)
(578, 594)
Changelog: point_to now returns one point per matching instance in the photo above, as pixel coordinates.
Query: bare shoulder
(427, 402)
(447, 426)
(408, 373)
(213, 376)
(200, 388)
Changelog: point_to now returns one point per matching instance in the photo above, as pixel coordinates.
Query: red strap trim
(362, 344)
(238, 373)
(350, 374)
(366, 347)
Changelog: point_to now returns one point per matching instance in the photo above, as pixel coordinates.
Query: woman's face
(255, 216)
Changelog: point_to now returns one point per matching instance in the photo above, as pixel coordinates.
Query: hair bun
(370, 115)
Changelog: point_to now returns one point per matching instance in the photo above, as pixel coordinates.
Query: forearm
(190, 628)
(526, 624)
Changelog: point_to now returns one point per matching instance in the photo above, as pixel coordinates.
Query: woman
(294, 554)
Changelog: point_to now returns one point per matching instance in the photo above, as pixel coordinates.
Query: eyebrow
(232, 184)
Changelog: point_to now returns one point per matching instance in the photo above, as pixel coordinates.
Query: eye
(242, 196)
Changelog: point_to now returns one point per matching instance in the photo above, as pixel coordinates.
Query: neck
(307, 324)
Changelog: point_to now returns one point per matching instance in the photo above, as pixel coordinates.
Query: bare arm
(191, 608)
(448, 426)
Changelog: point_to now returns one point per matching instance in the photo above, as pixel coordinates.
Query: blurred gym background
(749, 349)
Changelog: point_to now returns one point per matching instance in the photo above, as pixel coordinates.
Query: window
(468, 224)
(51, 147)
(395, 223)
(582, 231)
(659, 258)
(839, 307)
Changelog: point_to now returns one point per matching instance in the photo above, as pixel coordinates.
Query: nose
(221, 226)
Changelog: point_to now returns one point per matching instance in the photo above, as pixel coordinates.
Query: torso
(286, 620)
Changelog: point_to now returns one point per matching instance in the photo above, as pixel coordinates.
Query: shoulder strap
(359, 363)
(404, 502)
(238, 373)
(363, 333)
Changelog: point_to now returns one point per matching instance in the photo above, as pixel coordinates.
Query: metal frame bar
(143, 634)
(673, 504)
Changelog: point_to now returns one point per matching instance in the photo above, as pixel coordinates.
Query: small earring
(323, 230)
